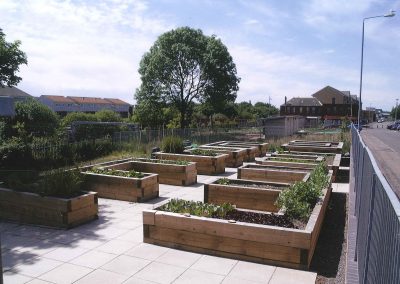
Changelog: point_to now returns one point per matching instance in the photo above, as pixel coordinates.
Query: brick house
(64, 105)
(328, 104)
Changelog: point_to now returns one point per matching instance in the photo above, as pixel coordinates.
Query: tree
(35, 118)
(184, 66)
(11, 57)
(107, 115)
(262, 110)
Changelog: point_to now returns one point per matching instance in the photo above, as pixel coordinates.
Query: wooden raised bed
(304, 166)
(167, 173)
(251, 151)
(206, 165)
(272, 173)
(262, 147)
(272, 245)
(256, 197)
(123, 188)
(235, 158)
(327, 147)
(31, 208)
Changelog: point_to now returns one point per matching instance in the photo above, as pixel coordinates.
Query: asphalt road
(385, 146)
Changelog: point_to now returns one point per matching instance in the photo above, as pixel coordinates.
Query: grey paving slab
(12, 278)
(160, 272)
(38, 281)
(147, 251)
(340, 187)
(111, 250)
(93, 259)
(213, 264)
(116, 246)
(252, 272)
(66, 253)
(65, 274)
(102, 276)
(36, 267)
(126, 265)
(198, 277)
(179, 258)
(291, 276)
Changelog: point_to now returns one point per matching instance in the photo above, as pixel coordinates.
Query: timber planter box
(31, 208)
(273, 245)
(251, 151)
(303, 166)
(168, 173)
(262, 147)
(318, 146)
(272, 173)
(205, 165)
(123, 188)
(248, 194)
(235, 158)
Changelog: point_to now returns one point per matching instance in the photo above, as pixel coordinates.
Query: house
(64, 105)
(8, 97)
(327, 104)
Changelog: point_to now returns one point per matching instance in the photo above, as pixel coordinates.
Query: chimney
(285, 100)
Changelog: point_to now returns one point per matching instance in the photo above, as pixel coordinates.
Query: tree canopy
(185, 66)
(11, 57)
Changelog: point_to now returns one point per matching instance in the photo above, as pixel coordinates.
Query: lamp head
(392, 13)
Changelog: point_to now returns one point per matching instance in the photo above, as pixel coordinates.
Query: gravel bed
(329, 259)
(253, 185)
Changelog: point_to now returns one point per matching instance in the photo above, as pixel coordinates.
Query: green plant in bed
(197, 208)
(111, 172)
(202, 152)
(300, 198)
(223, 181)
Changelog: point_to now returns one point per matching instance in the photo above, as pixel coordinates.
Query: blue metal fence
(377, 209)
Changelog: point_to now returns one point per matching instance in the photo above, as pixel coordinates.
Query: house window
(313, 110)
(301, 109)
(293, 110)
(333, 101)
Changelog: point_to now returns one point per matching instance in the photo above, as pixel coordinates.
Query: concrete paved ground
(385, 147)
(111, 250)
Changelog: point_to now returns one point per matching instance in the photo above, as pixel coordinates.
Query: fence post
(370, 220)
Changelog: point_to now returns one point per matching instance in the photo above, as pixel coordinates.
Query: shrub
(61, 183)
(299, 199)
(223, 181)
(15, 153)
(172, 144)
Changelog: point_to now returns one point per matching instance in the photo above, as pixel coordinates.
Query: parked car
(393, 126)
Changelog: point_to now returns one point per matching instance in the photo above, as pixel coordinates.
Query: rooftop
(13, 92)
(303, 101)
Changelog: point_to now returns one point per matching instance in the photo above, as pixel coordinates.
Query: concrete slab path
(111, 250)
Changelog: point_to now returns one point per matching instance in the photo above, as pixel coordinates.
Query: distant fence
(197, 135)
(377, 209)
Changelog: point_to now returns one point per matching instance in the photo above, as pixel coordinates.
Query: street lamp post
(390, 14)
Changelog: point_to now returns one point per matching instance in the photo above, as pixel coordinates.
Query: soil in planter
(263, 219)
(253, 185)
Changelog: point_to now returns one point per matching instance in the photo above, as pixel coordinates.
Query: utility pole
(269, 100)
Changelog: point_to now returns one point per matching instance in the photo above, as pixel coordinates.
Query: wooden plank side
(226, 244)
(239, 230)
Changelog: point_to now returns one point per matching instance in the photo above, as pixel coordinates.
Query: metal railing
(377, 209)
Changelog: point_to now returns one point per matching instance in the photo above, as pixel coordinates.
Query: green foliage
(106, 115)
(223, 181)
(35, 118)
(184, 66)
(14, 154)
(111, 172)
(292, 160)
(172, 144)
(77, 116)
(203, 152)
(197, 208)
(275, 148)
(11, 57)
(170, 162)
(61, 183)
(299, 199)
(56, 183)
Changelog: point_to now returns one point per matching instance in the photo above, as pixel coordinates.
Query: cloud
(74, 46)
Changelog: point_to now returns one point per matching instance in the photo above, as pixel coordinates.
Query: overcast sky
(281, 47)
